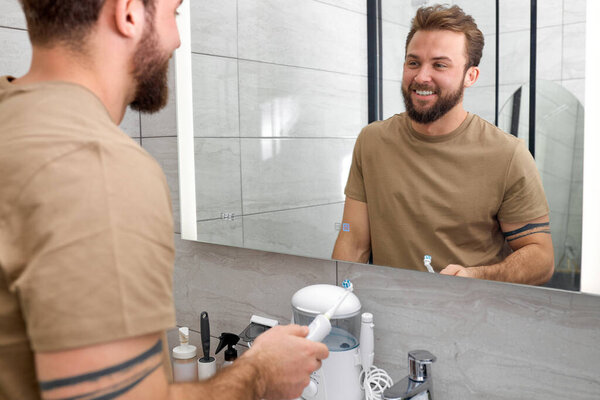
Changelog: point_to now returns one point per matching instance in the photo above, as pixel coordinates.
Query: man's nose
(423, 75)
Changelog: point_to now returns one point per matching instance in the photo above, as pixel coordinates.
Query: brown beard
(150, 69)
(443, 104)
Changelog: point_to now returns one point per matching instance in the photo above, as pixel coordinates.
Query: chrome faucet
(419, 382)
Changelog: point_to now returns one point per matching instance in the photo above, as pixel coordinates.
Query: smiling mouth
(424, 92)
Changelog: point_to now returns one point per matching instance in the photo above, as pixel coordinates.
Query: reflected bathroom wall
(559, 158)
(280, 95)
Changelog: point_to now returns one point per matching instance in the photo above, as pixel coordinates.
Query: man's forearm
(240, 381)
(530, 264)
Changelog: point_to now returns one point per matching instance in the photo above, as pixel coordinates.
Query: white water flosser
(374, 380)
(320, 327)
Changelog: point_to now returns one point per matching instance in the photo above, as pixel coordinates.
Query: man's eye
(440, 65)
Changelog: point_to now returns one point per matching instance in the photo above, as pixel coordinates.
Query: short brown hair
(67, 21)
(439, 17)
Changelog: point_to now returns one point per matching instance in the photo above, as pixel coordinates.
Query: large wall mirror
(280, 90)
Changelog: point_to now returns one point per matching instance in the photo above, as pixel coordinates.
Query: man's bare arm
(277, 366)
(532, 261)
(354, 243)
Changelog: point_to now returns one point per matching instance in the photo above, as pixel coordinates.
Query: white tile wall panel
(217, 177)
(303, 33)
(290, 173)
(280, 101)
(215, 84)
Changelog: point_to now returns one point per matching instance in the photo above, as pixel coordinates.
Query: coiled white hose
(374, 382)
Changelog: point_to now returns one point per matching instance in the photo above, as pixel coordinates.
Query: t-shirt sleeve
(97, 235)
(355, 187)
(524, 197)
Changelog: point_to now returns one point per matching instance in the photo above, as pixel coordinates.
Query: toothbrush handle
(319, 328)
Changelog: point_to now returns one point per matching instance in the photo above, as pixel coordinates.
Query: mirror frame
(590, 268)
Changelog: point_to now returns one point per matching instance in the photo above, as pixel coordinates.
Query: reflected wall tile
(550, 12)
(558, 122)
(393, 49)
(217, 177)
(549, 60)
(289, 173)
(577, 88)
(215, 83)
(164, 150)
(399, 11)
(12, 14)
(483, 11)
(487, 64)
(393, 102)
(557, 191)
(164, 122)
(559, 160)
(288, 101)
(558, 228)
(214, 27)
(16, 52)
(505, 96)
(307, 231)
(231, 283)
(576, 197)
(574, 11)
(515, 15)
(481, 101)
(131, 123)
(573, 240)
(222, 231)
(302, 34)
(579, 135)
(577, 175)
(514, 57)
(574, 51)
(492, 340)
(354, 5)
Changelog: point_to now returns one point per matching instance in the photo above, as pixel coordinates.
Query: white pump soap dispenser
(184, 359)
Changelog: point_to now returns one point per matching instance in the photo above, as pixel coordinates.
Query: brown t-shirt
(442, 195)
(86, 233)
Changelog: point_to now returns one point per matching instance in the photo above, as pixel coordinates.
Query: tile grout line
(276, 211)
(237, 45)
(281, 65)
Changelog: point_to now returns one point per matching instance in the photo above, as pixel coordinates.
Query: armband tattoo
(119, 378)
(529, 229)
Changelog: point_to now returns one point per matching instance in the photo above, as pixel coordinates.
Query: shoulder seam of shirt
(41, 168)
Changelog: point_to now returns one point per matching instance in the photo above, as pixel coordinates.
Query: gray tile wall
(493, 340)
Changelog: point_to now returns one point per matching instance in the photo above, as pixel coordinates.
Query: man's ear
(129, 17)
(471, 76)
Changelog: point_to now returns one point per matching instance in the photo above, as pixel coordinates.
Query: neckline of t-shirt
(5, 83)
(440, 138)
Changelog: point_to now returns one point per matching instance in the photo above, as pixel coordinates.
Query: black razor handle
(205, 334)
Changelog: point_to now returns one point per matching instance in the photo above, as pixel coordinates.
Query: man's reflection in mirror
(437, 180)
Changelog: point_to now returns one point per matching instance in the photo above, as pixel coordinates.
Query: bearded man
(437, 180)
(86, 230)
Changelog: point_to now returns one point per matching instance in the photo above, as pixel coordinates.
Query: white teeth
(424, 92)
